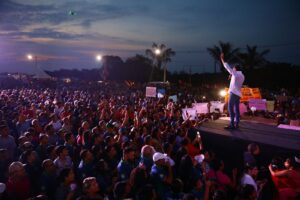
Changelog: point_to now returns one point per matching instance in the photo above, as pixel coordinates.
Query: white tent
(40, 74)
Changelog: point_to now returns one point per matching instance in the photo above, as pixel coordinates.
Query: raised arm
(225, 64)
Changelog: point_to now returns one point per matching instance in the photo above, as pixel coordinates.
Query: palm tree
(163, 57)
(160, 56)
(230, 53)
(252, 58)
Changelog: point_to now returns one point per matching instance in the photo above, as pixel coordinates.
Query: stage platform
(250, 131)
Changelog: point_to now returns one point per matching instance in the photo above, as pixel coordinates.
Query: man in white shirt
(236, 83)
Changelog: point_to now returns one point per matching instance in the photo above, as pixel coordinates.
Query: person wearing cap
(147, 152)
(236, 83)
(161, 175)
(18, 185)
(7, 142)
(126, 164)
(2, 191)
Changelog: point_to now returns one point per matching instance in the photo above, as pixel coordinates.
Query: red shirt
(19, 189)
(192, 150)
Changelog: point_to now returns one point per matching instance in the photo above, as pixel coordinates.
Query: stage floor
(255, 132)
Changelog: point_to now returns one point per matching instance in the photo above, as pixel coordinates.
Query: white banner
(201, 108)
(150, 91)
(217, 106)
(189, 113)
(259, 104)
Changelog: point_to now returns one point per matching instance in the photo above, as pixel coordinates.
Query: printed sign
(247, 93)
(189, 113)
(259, 104)
(174, 98)
(217, 106)
(161, 93)
(150, 91)
(201, 108)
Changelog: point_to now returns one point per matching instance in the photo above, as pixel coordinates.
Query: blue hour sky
(128, 27)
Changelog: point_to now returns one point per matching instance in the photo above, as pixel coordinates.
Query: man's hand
(222, 57)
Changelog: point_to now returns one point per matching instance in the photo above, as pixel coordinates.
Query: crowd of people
(113, 143)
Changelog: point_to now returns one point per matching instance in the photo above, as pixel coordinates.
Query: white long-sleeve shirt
(237, 80)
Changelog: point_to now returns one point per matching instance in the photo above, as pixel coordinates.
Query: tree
(230, 53)
(138, 68)
(163, 57)
(160, 58)
(252, 58)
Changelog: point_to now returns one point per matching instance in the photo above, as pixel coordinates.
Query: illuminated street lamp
(222, 93)
(157, 52)
(30, 58)
(98, 58)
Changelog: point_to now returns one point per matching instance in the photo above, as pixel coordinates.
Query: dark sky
(127, 27)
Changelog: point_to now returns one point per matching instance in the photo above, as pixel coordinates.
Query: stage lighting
(222, 93)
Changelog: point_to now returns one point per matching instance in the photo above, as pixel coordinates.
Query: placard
(174, 98)
(150, 91)
(189, 113)
(161, 93)
(216, 105)
(259, 104)
(201, 108)
(247, 94)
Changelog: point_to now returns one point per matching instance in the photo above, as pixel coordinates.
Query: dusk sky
(128, 27)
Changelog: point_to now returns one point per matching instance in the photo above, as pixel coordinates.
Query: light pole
(158, 53)
(98, 58)
(30, 57)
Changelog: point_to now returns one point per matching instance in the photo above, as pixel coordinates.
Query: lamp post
(158, 53)
(30, 57)
(103, 73)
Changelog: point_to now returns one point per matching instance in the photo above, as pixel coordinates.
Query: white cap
(2, 187)
(158, 156)
(199, 158)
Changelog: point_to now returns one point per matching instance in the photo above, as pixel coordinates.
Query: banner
(189, 113)
(243, 108)
(174, 98)
(161, 93)
(201, 108)
(247, 93)
(217, 106)
(259, 104)
(150, 91)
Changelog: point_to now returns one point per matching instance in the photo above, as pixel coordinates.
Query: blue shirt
(124, 169)
(158, 174)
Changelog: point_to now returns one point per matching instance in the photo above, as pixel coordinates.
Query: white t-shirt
(237, 80)
(247, 179)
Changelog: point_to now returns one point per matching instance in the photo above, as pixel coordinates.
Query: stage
(255, 132)
(230, 145)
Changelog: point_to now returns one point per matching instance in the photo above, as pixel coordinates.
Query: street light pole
(165, 72)
(30, 57)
